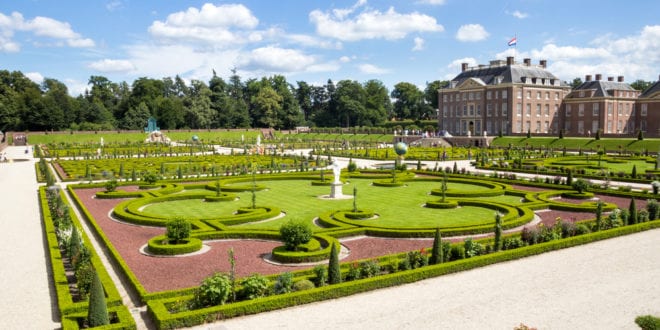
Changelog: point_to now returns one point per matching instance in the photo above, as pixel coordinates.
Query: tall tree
(267, 104)
(378, 105)
(350, 98)
(304, 98)
(641, 85)
(409, 102)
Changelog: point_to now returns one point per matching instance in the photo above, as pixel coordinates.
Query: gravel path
(27, 300)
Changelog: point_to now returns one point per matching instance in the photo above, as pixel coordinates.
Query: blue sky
(414, 41)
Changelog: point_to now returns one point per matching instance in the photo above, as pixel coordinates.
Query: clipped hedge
(159, 245)
(387, 183)
(441, 205)
(67, 308)
(124, 320)
(166, 320)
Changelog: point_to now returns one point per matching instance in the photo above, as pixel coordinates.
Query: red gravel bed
(159, 274)
(623, 202)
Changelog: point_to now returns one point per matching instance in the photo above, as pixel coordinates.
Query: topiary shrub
(303, 285)
(111, 185)
(334, 273)
(321, 275)
(214, 290)
(254, 286)
(580, 185)
(436, 251)
(295, 233)
(178, 230)
(97, 313)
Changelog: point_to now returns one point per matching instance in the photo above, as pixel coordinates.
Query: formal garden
(202, 237)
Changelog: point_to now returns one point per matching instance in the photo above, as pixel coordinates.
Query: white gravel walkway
(25, 297)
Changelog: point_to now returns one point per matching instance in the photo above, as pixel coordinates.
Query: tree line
(269, 102)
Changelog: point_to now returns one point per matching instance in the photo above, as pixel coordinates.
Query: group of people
(3, 157)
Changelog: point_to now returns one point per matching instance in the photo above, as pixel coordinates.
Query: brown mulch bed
(527, 188)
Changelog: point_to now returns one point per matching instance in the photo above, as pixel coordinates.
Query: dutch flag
(513, 41)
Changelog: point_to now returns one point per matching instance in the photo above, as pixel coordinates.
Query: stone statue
(336, 170)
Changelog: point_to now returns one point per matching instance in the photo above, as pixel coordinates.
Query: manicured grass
(396, 207)
(575, 143)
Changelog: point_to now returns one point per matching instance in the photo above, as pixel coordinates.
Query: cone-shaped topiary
(632, 210)
(97, 313)
(74, 242)
(497, 243)
(334, 274)
(436, 251)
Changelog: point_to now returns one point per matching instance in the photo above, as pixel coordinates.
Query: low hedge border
(441, 205)
(156, 246)
(65, 303)
(119, 194)
(116, 257)
(166, 320)
(124, 320)
(577, 195)
(224, 197)
(387, 183)
(359, 214)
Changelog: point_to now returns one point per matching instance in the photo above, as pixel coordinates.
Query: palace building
(512, 98)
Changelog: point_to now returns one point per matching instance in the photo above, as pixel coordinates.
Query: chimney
(619, 78)
(543, 63)
(610, 78)
(464, 67)
(599, 76)
(587, 77)
(509, 60)
(527, 61)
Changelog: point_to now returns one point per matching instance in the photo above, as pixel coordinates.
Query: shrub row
(158, 245)
(68, 309)
(166, 320)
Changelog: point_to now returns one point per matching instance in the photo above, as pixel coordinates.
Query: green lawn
(396, 207)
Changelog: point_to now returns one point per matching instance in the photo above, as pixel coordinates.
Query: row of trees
(269, 102)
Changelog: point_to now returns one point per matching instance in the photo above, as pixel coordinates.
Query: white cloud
(346, 59)
(311, 41)
(518, 14)
(275, 59)
(432, 2)
(113, 5)
(41, 27)
(456, 64)
(35, 77)
(223, 25)
(471, 33)
(372, 69)
(109, 65)
(371, 24)
(419, 44)
(635, 57)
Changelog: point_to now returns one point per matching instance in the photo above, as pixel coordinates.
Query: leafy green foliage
(334, 273)
(111, 185)
(254, 286)
(284, 283)
(321, 275)
(436, 251)
(648, 322)
(150, 178)
(97, 313)
(214, 290)
(497, 242)
(580, 185)
(294, 233)
(178, 230)
(303, 285)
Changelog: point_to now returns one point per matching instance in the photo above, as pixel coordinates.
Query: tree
(641, 85)
(334, 273)
(632, 212)
(409, 102)
(136, 117)
(569, 177)
(436, 251)
(377, 106)
(267, 104)
(295, 233)
(580, 185)
(97, 313)
(640, 135)
(653, 207)
(633, 174)
(178, 230)
(576, 82)
(497, 242)
(599, 216)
